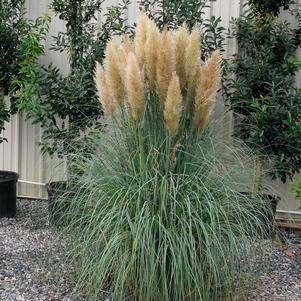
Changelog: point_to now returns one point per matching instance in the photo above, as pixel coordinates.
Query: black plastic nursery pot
(56, 207)
(8, 193)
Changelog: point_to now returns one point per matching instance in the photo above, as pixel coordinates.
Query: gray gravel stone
(31, 268)
(279, 271)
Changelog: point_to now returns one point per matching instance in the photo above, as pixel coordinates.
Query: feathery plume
(192, 57)
(206, 90)
(181, 39)
(104, 91)
(196, 80)
(140, 37)
(151, 53)
(114, 73)
(127, 44)
(165, 64)
(173, 105)
(126, 47)
(135, 88)
(198, 75)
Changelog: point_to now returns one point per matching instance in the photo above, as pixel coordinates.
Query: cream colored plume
(104, 91)
(140, 37)
(135, 88)
(206, 90)
(192, 57)
(181, 39)
(151, 53)
(114, 73)
(127, 44)
(173, 105)
(126, 47)
(165, 64)
(198, 75)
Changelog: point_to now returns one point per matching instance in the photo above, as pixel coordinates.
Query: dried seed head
(206, 90)
(192, 57)
(173, 105)
(113, 71)
(127, 44)
(126, 47)
(140, 37)
(165, 64)
(104, 91)
(181, 39)
(151, 53)
(196, 81)
(135, 88)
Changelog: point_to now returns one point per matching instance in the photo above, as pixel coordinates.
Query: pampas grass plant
(156, 213)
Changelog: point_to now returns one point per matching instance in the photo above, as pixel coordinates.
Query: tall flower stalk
(169, 92)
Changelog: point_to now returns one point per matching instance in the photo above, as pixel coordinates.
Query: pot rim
(11, 176)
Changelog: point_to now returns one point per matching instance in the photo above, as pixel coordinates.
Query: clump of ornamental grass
(155, 209)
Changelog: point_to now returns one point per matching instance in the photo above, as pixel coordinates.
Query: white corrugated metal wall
(22, 154)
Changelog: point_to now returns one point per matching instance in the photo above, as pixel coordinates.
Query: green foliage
(19, 47)
(12, 28)
(66, 106)
(24, 85)
(173, 14)
(264, 7)
(4, 115)
(77, 15)
(296, 188)
(263, 90)
(84, 39)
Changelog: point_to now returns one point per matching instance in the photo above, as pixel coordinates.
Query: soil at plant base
(32, 267)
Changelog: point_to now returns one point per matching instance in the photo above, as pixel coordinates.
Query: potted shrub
(66, 106)
(262, 91)
(12, 28)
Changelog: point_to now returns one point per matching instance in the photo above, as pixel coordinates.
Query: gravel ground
(279, 270)
(32, 268)
(30, 265)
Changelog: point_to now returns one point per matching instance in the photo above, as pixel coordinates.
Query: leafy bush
(175, 13)
(16, 32)
(297, 190)
(155, 210)
(31, 48)
(263, 89)
(264, 7)
(12, 28)
(4, 115)
(66, 106)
